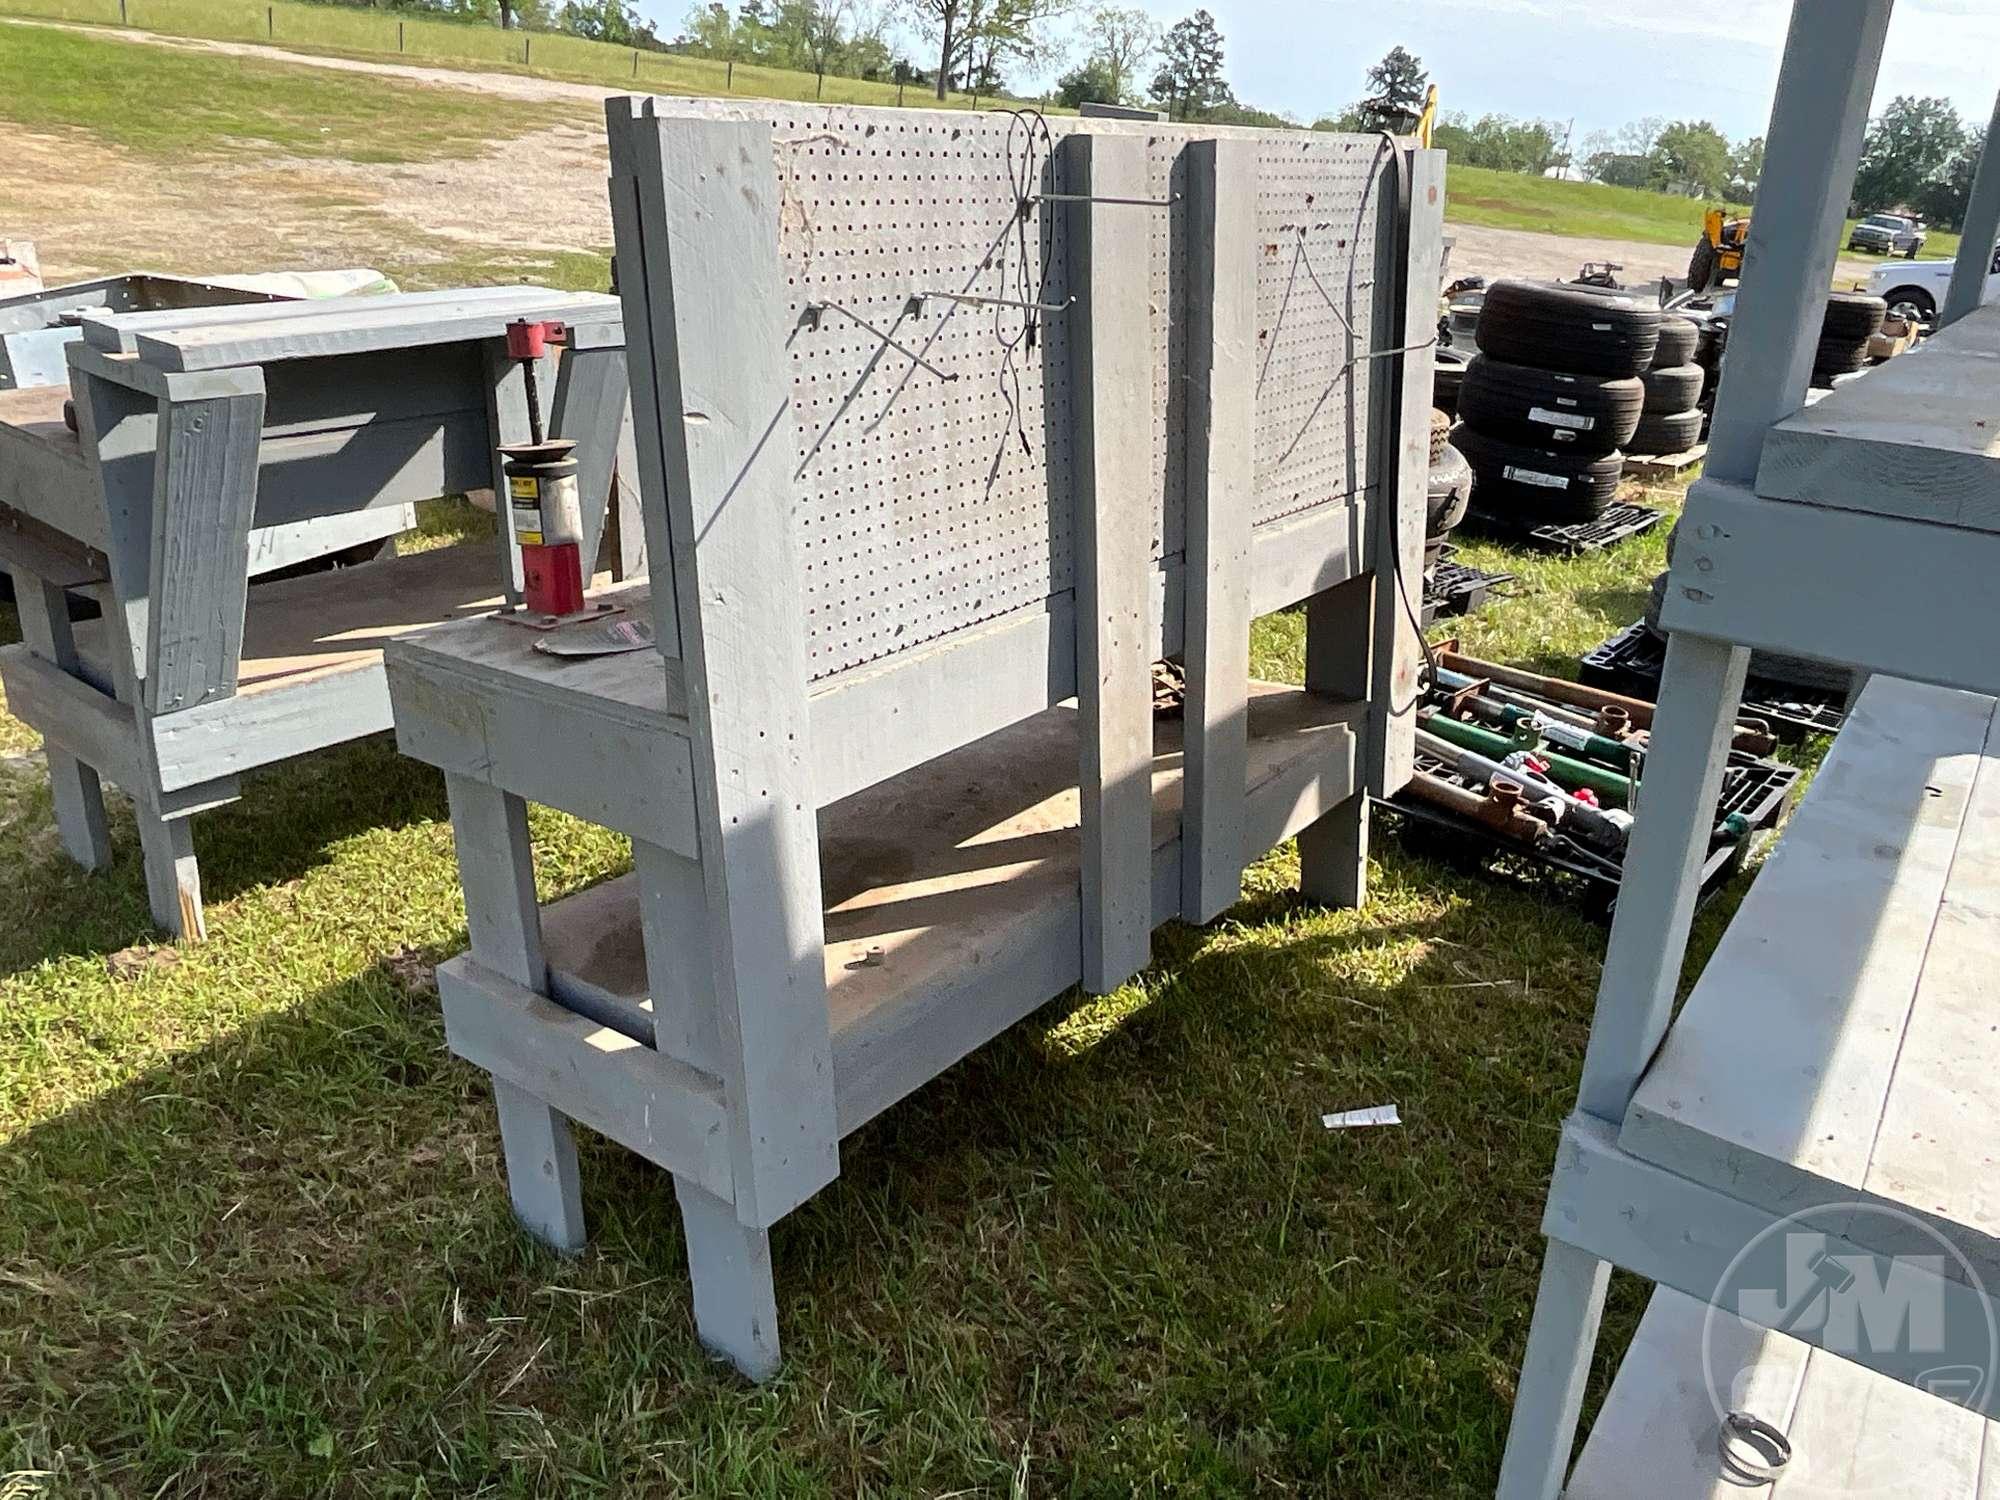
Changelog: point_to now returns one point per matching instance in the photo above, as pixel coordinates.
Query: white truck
(1920, 284)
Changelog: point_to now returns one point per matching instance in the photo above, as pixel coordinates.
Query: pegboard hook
(814, 312)
(971, 301)
(1167, 202)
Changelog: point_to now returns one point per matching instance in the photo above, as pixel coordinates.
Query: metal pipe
(1502, 814)
(1563, 769)
(1605, 829)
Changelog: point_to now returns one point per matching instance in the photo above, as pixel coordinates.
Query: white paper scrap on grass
(1352, 1119)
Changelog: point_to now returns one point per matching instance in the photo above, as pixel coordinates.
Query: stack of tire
(1852, 319)
(1551, 398)
(1670, 421)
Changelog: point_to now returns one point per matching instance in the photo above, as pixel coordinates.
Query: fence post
(729, 77)
(635, 62)
(271, 21)
(899, 93)
(527, 50)
(819, 88)
(399, 36)
(121, 13)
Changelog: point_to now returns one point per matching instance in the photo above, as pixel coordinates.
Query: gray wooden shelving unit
(893, 777)
(212, 445)
(1826, 1090)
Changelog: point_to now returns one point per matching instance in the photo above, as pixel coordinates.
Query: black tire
(1516, 481)
(1553, 327)
(1839, 357)
(1678, 340)
(1852, 315)
(1701, 265)
(1914, 296)
(1445, 379)
(1440, 434)
(1549, 409)
(1666, 432)
(1672, 387)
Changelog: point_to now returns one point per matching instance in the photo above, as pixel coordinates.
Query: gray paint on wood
(735, 1299)
(1409, 320)
(1340, 635)
(1824, 85)
(79, 800)
(543, 1180)
(1221, 431)
(1980, 229)
(173, 878)
(496, 866)
(204, 495)
(704, 289)
(590, 407)
(1112, 375)
(1554, 1372)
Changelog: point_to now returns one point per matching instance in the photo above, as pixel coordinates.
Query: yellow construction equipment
(1718, 254)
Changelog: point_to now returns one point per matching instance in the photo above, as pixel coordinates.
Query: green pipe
(1562, 768)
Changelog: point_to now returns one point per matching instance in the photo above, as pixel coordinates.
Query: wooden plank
(73, 784)
(1221, 433)
(1665, 465)
(118, 333)
(706, 290)
(1923, 617)
(1414, 229)
(91, 725)
(1772, 1081)
(1340, 635)
(1833, 51)
(1934, 1153)
(1914, 437)
(118, 428)
(670, 1114)
(1307, 554)
(204, 499)
(311, 330)
(1111, 349)
(951, 892)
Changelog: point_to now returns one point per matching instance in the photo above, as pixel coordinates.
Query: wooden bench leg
(735, 1300)
(173, 879)
(542, 1177)
(1333, 855)
(1549, 1398)
(79, 799)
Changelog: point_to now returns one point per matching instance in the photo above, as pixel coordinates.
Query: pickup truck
(1888, 234)
(1920, 284)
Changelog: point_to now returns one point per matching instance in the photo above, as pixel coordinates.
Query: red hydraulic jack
(543, 498)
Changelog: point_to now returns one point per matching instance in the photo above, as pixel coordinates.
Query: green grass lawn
(254, 1235)
(368, 32)
(57, 79)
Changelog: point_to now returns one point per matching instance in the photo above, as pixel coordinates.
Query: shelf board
(1842, 1044)
(1853, 1432)
(1916, 437)
(963, 873)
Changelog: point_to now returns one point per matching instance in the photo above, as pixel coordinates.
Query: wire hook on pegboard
(814, 311)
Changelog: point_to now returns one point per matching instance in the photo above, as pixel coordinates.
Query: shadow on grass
(283, 1262)
(290, 820)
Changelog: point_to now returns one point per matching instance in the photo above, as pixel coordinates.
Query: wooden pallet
(1664, 465)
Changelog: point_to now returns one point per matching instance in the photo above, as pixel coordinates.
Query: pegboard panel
(936, 496)
(1316, 230)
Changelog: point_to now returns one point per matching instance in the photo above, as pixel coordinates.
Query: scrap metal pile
(1520, 769)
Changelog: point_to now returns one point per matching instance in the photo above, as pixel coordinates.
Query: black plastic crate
(1761, 790)
(1452, 588)
(1618, 522)
(1631, 662)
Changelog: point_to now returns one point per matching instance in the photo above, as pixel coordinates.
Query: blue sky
(1603, 64)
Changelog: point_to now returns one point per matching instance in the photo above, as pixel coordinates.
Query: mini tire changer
(1551, 772)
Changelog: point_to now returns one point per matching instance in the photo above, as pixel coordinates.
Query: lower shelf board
(951, 892)
(1853, 1432)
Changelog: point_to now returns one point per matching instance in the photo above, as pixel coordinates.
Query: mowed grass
(356, 31)
(255, 1241)
(167, 104)
(1590, 210)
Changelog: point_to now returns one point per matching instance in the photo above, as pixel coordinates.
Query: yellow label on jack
(523, 488)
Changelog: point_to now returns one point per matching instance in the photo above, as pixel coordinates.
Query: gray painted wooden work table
(213, 445)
